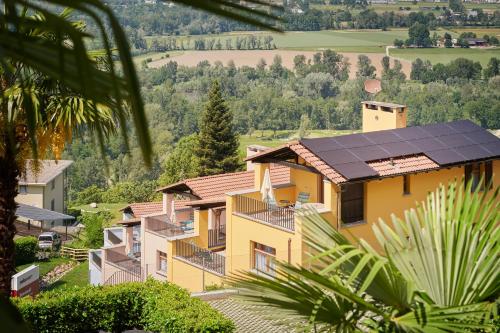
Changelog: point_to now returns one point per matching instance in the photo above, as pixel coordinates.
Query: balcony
(129, 262)
(206, 259)
(217, 237)
(281, 217)
(163, 226)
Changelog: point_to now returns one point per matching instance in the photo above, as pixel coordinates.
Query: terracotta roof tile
(402, 165)
(218, 185)
(145, 208)
(317, 163)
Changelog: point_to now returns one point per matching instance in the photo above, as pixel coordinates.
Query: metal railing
(207, 259)
(217, 236)
(118, 277)
(283, 217)
(162, 225)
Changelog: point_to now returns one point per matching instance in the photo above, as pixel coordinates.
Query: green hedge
(25, 250)
(152, 306)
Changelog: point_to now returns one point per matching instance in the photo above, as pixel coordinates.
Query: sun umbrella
(267, 188)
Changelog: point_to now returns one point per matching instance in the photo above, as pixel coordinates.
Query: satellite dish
(373, 86)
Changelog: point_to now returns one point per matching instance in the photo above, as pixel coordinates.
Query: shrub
(89, 195)
(25, 250)
(153, 306)
(92, 236)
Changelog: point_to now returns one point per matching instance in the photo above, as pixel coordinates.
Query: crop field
(423, 6)
(444, 56)
(365, 41)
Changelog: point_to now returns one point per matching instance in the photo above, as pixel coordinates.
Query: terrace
(163, 226)
(282, 217)
(118, 257)
(206, 259)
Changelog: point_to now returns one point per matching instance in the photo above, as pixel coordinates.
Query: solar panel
(370, 153)
(321, 144)
(481, 137)
(355, 170)
(353, 140)
(338, 156)
(411, 133)
(464, 126)
(445, 156)
(428, 144)
(455, 140)
(402, 148)
(493, 148)
(473, 152)
(382, 137)
(438, 129)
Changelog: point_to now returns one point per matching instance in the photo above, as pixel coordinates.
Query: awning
(40, 214)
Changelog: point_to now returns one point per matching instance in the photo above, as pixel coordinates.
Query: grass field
(366, 41)
(113, 208)
(444, 56)
(46, 265)
(78, 276)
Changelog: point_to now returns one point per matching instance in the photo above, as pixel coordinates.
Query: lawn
(113, 208)
(45, 266)
(78, 276)
(444, 56)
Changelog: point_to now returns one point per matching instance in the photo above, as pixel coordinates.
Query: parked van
(49, 241)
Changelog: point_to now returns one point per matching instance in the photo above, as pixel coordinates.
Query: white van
(49, 240)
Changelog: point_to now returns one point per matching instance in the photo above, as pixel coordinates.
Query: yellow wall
(201, 223)
(240, 232)
(191, 277)
(305, 181)
(57, 194)
(34, 197)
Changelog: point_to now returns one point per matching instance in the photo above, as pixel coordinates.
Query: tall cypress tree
(218, 143)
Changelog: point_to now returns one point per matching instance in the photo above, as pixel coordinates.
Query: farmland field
(365, 41)
(446, 55)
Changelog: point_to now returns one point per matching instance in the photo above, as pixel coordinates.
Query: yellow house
(47, 188)
(223, 226)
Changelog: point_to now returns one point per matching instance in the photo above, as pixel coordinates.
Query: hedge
(25, 250)
(152, 306)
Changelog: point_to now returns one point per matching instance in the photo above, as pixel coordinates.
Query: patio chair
(187, 225)
(302, 198)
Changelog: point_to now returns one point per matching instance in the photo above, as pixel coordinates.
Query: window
(406, 185)
(52, 204)
(162, 262)
(53, 184)
(23, 189)
(474, 172)
(264, 258)
(352, 203)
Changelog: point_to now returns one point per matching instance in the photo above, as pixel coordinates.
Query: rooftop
(139, 209)
(217, 186)
(48, 170)
(390, 152)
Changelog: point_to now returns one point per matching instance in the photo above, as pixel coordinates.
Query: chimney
(253, 150)
(379, 116)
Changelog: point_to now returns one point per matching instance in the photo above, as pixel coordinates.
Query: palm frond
(449, 246)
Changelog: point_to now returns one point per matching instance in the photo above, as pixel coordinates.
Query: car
(49, 241)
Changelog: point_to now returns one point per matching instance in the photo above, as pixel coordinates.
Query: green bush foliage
(152, 306)
(92, 235)
(26, 249)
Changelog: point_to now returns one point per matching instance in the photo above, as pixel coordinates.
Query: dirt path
(251, 58)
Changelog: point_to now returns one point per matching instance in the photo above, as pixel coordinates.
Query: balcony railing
(217, 237)
(134, 275)
(283, 217)
(118, 257)
(161, 224)
(207, 259)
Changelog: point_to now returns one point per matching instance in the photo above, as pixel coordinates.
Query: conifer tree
(218, 143)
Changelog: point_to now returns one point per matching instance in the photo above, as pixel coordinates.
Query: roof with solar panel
(394, 151)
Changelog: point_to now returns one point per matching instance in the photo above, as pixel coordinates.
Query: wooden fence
(75, 254)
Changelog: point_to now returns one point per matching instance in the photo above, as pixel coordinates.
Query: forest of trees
(272, 97)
